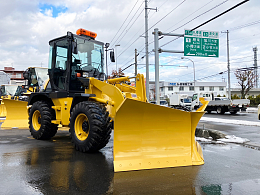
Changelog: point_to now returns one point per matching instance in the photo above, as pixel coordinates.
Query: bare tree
(115, 74)
(246, 79)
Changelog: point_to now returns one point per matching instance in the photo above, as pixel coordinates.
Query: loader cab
(72, 57)
(36, 78)
(9, 91)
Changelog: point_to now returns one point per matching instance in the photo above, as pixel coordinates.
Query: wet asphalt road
(29, 166)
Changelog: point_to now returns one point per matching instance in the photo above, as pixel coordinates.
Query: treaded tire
(233, 112)
(220, 110)
(46, 129)
(94, 133)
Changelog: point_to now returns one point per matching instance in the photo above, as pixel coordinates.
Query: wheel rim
(82, 127)
(36, 120)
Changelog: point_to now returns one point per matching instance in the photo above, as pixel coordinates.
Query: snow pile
(227, 139)
(230, 121)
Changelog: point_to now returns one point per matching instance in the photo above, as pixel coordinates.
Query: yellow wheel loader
(8, 92)
(14, 97)
(146, 136)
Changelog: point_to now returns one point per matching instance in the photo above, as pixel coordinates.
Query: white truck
(219, 104)
(180, 101)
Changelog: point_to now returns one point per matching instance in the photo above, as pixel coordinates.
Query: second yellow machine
(146, 136)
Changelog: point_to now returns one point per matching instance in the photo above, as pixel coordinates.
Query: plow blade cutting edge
(148, 136)
(16, 114)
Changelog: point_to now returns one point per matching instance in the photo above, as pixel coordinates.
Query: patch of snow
(234, 139)
(202, 139)
(231, 121)
(208, 140)
(227, 139)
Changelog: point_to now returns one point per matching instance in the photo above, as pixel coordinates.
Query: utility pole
(156, 61)
(146, 47)
(228, 67)
(136, 54)
(146, 50)
(136, 61)
(116, 56)
(255, 67)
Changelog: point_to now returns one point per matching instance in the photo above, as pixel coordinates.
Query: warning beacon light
(88, 33)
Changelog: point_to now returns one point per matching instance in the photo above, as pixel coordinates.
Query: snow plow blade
(204, 104)
(148, 136)
(16, 114)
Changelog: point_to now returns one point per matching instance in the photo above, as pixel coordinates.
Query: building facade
(15, 75)
(189, 88)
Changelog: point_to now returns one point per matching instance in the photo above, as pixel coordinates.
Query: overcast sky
(26, 26)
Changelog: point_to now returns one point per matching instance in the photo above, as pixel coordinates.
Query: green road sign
(201, 43)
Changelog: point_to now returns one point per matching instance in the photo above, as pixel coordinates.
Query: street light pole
(116, 56)
(106, 46)
(193, 69)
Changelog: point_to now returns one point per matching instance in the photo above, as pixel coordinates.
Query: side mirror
(74, 48)
(112, 56)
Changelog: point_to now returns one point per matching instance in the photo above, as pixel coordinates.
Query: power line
(124, 21)
(220, 73)
(233, 70)
(167, 14)
(129, 23)
(142, 27)
(152, 26)
(220, 14)
(190, 20)
(158, 8)
(131, 26)
(212, 19)
(196, 16)
(210, 67)
(245, 25)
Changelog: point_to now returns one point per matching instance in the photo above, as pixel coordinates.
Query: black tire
(233, 112)
(209, 111)
(40, 116)
(220, 110)
(90, 126)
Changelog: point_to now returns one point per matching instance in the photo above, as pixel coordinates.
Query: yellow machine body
(62, 108)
